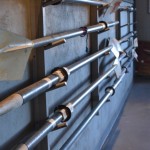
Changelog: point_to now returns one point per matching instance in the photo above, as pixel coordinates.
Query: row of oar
(63, 112)
(58, 78)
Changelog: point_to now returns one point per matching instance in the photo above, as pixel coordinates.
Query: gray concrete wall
(143, 19)
(15, 16)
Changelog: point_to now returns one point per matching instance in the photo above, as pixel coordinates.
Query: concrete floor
(133, 131)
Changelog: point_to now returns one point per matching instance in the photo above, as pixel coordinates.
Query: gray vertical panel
(59, 19)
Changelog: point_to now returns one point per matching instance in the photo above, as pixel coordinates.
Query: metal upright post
(94, 46)
(119, 25)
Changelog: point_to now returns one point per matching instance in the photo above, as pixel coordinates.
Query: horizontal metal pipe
(73, 33)
(86, 121)
(90, 2)
(126, 38)
(88, 90)
(52, 40)
(88, 59)
(112, 24)
(40, 134)
(128, 24)
(131, 9)
(23, 96)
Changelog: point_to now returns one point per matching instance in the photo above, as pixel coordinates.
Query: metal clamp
(84, 31)
(106, 27)
(65, 112)
(63, 74)
(126, 69)
(60, 126)
(109, 89)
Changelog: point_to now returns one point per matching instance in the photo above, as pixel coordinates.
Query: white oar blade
(115, 49)
(118, 69)
(11, 42)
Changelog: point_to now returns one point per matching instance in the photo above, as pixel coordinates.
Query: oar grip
(11, 102)
(22, 147)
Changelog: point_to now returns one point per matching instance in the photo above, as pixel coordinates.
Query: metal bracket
(106, 29)
(60, 126)
(56, 43)
(84, 29)
(63, 73)
(109, 89)
(64, 111)
(58, 85)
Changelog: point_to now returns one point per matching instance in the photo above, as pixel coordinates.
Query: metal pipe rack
(54, 40)
(102, 26)
(57, 79)
(63, 113)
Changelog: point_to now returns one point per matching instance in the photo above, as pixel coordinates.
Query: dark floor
(133, 131)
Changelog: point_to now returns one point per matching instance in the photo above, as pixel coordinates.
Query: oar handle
(11, 102)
